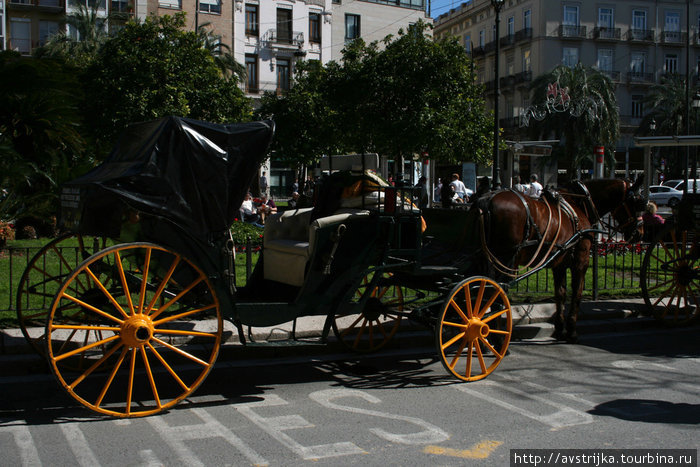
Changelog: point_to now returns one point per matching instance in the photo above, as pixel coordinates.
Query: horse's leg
(559, 275)
(578, 273)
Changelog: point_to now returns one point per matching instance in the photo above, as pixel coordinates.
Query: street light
(496, 177)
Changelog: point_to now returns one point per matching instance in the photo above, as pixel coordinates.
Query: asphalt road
(634, 389)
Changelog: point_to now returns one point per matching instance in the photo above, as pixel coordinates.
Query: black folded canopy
(191, 173)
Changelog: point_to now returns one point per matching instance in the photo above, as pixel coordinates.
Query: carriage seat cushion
(288, 242)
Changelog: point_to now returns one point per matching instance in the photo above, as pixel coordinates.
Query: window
(639, 20)
(606, 18)
(118, 6)
(527, 64)
(637, 106)
(570, 56)
(352, 27)
(511, 27)
(527, 19)
(2, 27)
(493, 32)
(210, 6)
(510, 65)
(671, 63)
(638, 62)
(315, 28)
(468, 43)
(251, 68)
(21, 35)
(284, 25)
(673, 21)
(570, 15)
(283, 72)
(251, 20)
(605, 60)
(175, 4)
(482, 38)
(46, 30)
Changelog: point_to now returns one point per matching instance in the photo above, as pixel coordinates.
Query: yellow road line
(480, 450)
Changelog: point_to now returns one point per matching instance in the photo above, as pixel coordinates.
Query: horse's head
(627, 214)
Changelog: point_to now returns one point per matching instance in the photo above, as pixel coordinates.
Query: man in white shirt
(460, 188)
(535, 187)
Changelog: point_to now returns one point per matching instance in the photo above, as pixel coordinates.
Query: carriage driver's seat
(288, 242)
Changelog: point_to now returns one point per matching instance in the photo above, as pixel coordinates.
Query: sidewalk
(529, 322)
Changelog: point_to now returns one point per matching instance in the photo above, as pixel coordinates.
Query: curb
(529, 321)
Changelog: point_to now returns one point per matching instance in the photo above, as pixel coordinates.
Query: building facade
(635, 42)
(267, 36)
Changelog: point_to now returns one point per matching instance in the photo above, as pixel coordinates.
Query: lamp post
(696, 106)
(496, 176)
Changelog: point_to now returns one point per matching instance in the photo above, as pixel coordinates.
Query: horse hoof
(572, 339)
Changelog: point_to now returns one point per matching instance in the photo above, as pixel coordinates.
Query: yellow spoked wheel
(670, 277)
(371, 319)
(145, 332)
(43, 276)
(474, 329)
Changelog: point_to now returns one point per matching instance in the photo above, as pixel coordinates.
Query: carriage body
(148, 294)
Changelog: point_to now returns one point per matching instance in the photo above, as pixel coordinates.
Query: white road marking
(149, 458)
(79, 445)
(431, 434)
(174, 437)
(274, 426)
(25, 443)
(563, 416)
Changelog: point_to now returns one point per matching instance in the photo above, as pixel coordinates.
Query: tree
(221, 52)
(91, 31)
(582, 112)
(153, 69)
(412, 96)
(40, 141)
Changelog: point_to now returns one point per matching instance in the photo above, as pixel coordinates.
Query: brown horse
(519, 232)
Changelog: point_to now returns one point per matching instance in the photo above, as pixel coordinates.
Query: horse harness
(551, 198)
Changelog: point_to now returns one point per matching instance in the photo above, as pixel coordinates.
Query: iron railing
(614, 270)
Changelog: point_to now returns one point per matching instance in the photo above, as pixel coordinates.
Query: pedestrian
(482, 188)
(517, 185)
(459, 187)
(438, 191)
(248, 212)
(309, 187)
(535, 187)
(422, 197)
(267, 207)
(295, 187)
(292, 203)
(264, 186)
(652, 221)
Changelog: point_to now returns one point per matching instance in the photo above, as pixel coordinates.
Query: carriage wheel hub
(477, 328)
(136, 330)
(373, 309)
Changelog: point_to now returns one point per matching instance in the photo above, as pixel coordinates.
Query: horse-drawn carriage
(136, 320)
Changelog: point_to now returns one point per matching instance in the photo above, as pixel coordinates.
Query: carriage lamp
(496, 174)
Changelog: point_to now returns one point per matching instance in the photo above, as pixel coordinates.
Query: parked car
(678, 184)
(665, 195)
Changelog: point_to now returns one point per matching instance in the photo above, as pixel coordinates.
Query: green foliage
(154, 69)
(598, 124)
(40, 141)
(413, 95)
(241, 231)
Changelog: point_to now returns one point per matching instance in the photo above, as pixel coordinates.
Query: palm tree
(578, 106)
(221, 53)
(91, 34)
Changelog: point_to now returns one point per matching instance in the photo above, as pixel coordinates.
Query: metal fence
(613, 271)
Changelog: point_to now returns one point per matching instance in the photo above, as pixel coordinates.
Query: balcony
(508, 40)
(567, 31)
(490, 47)
(640, 35)
(673, 38)
(49, 6)
(478, 51)
(523, 77)
(640, 77)
(283, 39)
(320, 3)
(523, 35)
(509, 122)
(607, 34)
(507, 81)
